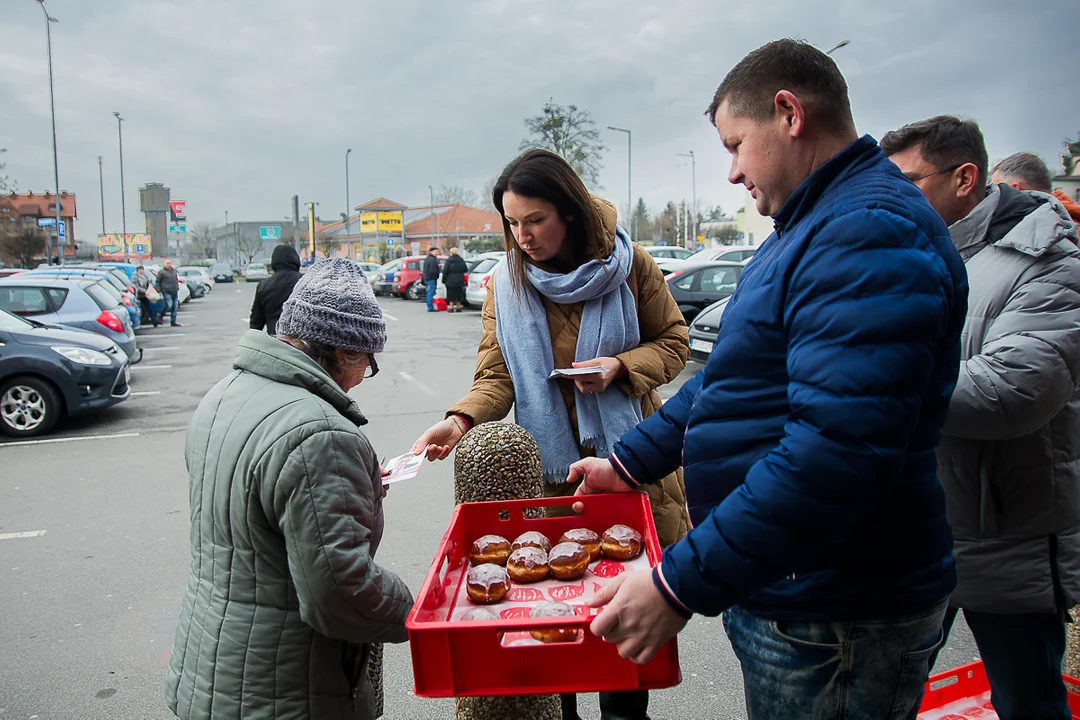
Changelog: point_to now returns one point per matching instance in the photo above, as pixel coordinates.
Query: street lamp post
(431, 199)
(348, 209)
(842, 43)
(49, 19)
(101, 189)
(693, 180)
(629, 192)
(123, 202)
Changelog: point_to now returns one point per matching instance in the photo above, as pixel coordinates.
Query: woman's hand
(613, 369)
(439, 439)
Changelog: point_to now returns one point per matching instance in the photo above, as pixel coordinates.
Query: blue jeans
(431, 286)
(1022, 655)
(835, 670)
(171, 303)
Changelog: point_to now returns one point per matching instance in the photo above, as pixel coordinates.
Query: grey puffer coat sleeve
(327, 528)
(1029, 364)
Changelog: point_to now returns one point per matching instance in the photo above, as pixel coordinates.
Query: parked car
(704, 329)
(384, 281)
(8, 272)
(479, 277)
(470, 263)
(196, 273)
(256, 271)
(49, 373)
(667, 255)
(726, 253)
(127, 268)
(695, 287)
(222, 272)
(78, 303)
(112, 277)
(408, 280)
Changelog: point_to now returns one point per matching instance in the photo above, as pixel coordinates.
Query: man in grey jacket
(168, 284)
(1009, 460)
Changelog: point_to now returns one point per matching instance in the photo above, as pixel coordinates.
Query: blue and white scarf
(609, 326)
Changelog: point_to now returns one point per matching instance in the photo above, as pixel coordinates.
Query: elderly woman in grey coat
(285, 599)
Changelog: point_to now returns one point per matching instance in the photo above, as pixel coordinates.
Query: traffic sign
(389, 242)
(269, 232)
(46, 222)
(63, 230)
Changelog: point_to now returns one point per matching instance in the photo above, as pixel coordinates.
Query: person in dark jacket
(168, 284)
(285, 601)
(141, 282)
(1010, 457)
(271, 293)
(454, 279)
(431, 277)
(808, 440)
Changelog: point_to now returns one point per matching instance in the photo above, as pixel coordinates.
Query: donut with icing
(487, 584)
(527, 564)
(478, 614)
(531, 539)
(584, 537)
(621, 543)
(568, 561)
(493, 549)
(549, 610)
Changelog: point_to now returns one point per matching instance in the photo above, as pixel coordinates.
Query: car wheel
(416, 291)
(28, 406)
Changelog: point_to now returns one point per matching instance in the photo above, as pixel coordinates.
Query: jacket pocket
(988, 500)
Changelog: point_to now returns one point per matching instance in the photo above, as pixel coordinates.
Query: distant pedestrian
(1027, 171)
(141, 281)
(168, 284)
(272, 293)
(431, 277)
(454, 279)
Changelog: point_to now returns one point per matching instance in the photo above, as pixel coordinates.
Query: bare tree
(248, 246)
(327, 244)
(487, 202)
(23, 246)
(570, 133)
(6, 183)
(202, 241)
(455, 195)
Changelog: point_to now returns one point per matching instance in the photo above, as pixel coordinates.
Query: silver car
(256, 271)
(479, 277)
(83, 304)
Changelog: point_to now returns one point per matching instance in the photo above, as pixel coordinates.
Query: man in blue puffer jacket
(808, 440)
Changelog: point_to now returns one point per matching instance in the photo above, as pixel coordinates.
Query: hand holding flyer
(402, 467)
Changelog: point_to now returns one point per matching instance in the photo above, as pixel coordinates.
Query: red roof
(38, 205)
(381, 203)
(458, 220)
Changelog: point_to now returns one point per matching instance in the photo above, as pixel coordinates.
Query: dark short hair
(544, 175)
(793, 65)
(139, 267)
(1026, 167)
(943, 141)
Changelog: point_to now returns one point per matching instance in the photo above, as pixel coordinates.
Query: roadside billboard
(390, 222)
(111, 247)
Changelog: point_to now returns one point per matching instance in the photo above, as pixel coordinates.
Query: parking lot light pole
(629, 193)
(123, 202)
(348, 210)
(693, 180)
(49, 19)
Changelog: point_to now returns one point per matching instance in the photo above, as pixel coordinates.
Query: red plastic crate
(459, 659)
(969, 681)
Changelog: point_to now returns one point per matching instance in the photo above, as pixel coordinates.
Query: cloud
(237, 106)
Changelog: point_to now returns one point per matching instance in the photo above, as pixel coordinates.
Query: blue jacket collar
(810, 190)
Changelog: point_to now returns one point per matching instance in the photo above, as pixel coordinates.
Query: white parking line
(140, 366)
(164, 347)
(165, 334)
(52, 441)
(388, 316)
(417, 383)
(21, 535)
(146, 392)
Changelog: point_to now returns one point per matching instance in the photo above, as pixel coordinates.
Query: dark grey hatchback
(47, 373)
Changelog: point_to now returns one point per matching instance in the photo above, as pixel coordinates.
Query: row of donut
(619, 542)
(544, 609)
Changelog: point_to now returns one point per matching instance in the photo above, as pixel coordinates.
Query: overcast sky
(238, 105)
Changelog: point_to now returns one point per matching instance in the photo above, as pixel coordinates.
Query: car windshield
(101, 296)
(13, 323)
(484, 265)
(221, 269)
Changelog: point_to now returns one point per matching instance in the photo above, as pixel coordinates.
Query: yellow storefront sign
(390, 222)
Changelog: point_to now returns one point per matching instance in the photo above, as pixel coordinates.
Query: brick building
(26, 209)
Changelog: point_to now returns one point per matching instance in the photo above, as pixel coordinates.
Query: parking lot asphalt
(94, 526)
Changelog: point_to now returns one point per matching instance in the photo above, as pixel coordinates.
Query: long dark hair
(544, 175)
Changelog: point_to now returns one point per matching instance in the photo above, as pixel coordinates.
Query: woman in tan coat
(574, 292)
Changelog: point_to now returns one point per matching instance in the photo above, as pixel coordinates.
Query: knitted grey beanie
(333, 304)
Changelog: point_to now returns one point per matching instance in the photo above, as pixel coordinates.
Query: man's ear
(966, 179)
(790, 111)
